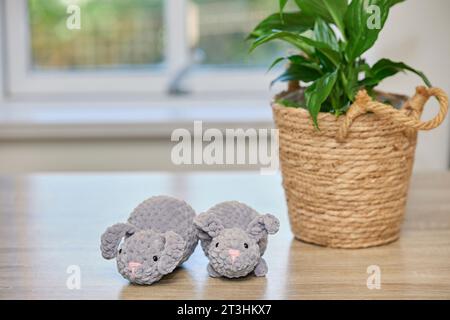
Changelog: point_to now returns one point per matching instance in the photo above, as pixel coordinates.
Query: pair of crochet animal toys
(162, 233)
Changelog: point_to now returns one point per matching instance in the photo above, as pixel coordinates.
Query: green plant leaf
(287, 36)
(294, 22)
(296, 59)
(350, 79)
(329, 10)
(394, 2)
(318, 92)
(290, 103)
(275, 62)
(348, 82)
(386, 68)
(300, 69)
(300, 42)
(363, 21)
(282, 4)
(323, 33)
(323, 47)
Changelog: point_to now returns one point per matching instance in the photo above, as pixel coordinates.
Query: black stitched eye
(217, 245)
(120, 250)
(245, 245)
(155, 258)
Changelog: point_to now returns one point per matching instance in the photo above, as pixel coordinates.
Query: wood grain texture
(51, 221)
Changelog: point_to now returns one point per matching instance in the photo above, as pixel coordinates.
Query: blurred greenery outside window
(113, 33)
(117, 34)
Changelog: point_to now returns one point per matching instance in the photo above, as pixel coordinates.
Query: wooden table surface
(52, 221)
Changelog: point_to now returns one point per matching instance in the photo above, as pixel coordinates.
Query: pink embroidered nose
(234, 254)
(133, 266)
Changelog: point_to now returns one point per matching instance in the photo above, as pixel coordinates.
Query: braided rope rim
(364, 104)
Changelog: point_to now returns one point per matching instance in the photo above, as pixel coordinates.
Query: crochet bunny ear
(112, 236)
(263, 224)
(172, 254)
(209, 224)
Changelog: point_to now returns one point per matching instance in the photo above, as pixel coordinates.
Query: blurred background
(106, 96)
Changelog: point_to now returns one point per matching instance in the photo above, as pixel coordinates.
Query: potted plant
(346, 149)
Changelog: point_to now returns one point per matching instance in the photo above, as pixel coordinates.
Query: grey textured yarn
(234, 238)
(158, 237)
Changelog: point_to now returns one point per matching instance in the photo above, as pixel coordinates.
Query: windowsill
(122, 119)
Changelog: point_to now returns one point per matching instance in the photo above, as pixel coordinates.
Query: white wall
(417, 33)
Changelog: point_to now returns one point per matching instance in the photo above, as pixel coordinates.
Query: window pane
(112, 34)
(223, 26)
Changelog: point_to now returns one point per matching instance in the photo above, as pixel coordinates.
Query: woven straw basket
(346, 185)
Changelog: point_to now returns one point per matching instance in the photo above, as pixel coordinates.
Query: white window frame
(24, 82)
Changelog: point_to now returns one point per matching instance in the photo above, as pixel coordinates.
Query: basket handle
(408, 116)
